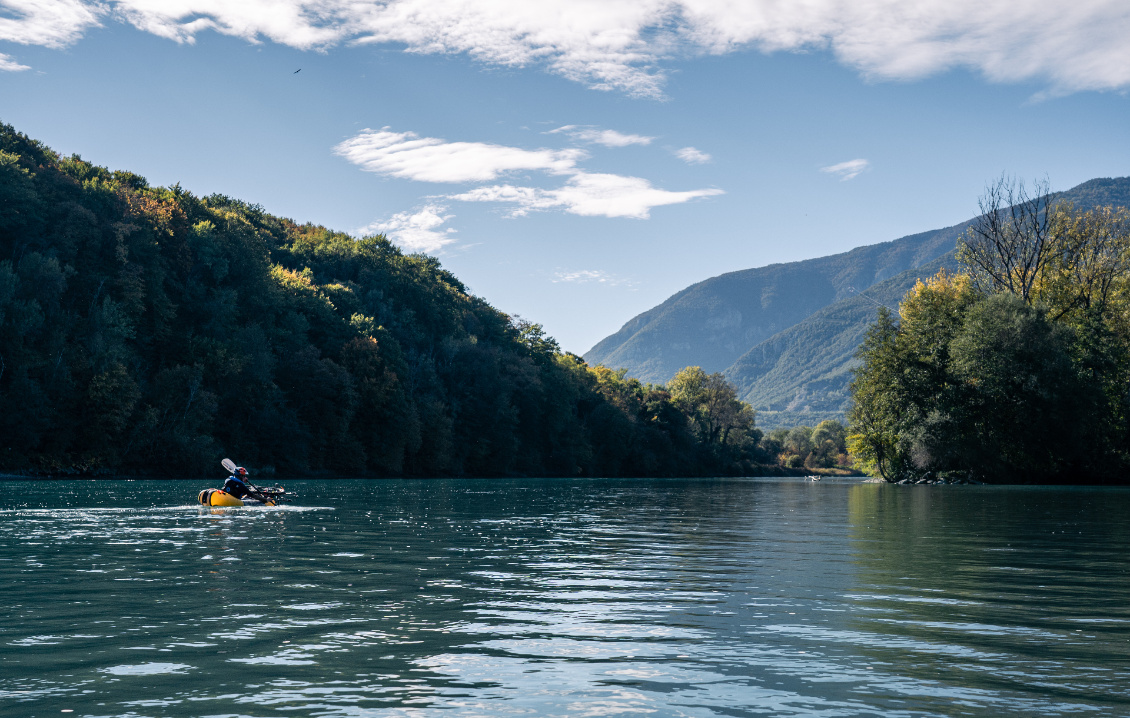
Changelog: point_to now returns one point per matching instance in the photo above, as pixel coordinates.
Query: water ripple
(567, 598)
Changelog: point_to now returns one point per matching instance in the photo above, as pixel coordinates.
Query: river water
(728, 597)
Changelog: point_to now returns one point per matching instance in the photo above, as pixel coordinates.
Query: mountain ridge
(734, 311)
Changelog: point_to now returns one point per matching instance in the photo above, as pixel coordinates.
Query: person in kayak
(237, 485)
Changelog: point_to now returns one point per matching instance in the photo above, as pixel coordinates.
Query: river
(725, 597)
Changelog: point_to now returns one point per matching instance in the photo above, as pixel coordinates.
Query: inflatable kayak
(253, 495)
(219, 497)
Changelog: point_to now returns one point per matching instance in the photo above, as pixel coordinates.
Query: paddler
(236, 484)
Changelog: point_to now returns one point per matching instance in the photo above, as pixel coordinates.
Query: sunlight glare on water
(724, 597)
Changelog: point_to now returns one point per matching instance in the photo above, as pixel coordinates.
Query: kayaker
(236, 484)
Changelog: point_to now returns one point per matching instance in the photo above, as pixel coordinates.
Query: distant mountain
(712, 323)
(784, 334)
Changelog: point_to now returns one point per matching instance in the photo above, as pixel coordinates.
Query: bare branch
(1007, 247)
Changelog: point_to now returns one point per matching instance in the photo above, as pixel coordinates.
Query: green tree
(1025, 403)
(829, 442)
(711, 404)
(874, 416)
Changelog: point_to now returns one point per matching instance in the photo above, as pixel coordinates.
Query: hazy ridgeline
(144, 329)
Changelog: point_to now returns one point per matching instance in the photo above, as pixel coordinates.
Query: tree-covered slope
(714, 322)
(147, 330)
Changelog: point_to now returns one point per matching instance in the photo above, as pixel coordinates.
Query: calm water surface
(741, 597)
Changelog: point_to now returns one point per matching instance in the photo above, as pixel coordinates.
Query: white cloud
(622, 44)
(589, 195)
(692, 156)
(416, 232)
(9, 64)
(1072, 46)
(426, 159)
(608, 138)
(303, 24)
(406, 155)
(847, 170)
(48, 23)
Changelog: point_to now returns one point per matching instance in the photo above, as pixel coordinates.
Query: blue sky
(578, 162)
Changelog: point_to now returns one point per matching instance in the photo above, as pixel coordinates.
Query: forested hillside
(144, 329)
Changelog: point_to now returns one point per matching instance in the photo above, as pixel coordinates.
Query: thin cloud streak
(847, 170)
(588, 195)
(427, 159)
(47, 23)
(608, 138)
(622, 45)
(587, 276)
(692, 156)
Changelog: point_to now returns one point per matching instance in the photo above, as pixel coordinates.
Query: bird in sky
(297, 71)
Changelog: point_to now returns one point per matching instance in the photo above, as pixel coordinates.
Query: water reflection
(992, 592)
(691, 598)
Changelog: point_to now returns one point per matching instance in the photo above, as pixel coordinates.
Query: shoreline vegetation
(758, 471)
(1017, 368)
(146, 329)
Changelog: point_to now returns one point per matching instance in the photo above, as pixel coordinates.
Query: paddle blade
(229, 465)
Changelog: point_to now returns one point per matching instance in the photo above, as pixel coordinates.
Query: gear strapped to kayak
(238, 491)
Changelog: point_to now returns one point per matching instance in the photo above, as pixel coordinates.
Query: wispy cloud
(589, 195)
(9, 64)
(595, 135)
(623, 45)
(427, 159)
(419, 231)
(586, 276)
(692, 156)
(847, 170)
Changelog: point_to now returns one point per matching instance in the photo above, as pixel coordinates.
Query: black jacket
(235, 486)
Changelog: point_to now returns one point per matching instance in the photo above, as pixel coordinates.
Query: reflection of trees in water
(997, 588)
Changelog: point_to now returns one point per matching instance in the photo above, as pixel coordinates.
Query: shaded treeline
(1016, 369)
(144, 329)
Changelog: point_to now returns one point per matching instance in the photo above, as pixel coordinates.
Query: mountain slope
(801, 375)
(712, 323)
(715, 322)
